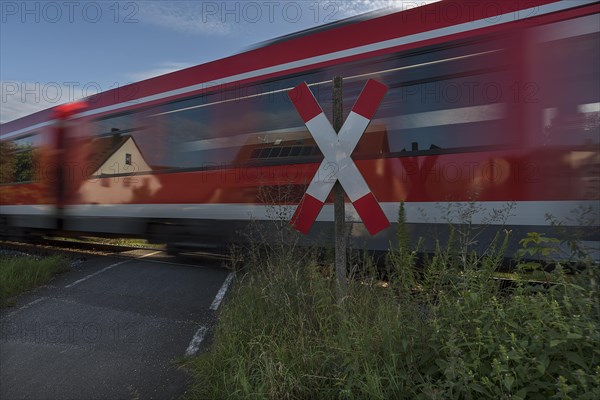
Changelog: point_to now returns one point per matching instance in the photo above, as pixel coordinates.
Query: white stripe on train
(521, 213)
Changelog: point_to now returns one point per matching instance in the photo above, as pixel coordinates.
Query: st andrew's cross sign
(337, 149)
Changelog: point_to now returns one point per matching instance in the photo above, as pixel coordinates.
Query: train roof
(325, 27)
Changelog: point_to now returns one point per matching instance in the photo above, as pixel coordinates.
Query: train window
(120, 154)
(275, 151)
(18, 160)
(28, 142)
(126, 144)
(565, 63)
(123, 123)
(232, 128)
(306, 151)
(440, 99)
(255, 153)
(443, 98)
(264, 153)
(437, 99)
(285, 151)
(443, 107)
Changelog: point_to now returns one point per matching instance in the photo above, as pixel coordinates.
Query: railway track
(50, 246)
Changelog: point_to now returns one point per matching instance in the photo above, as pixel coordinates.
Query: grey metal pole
(339, 202)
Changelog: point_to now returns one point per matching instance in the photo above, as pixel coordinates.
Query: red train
(491, 105)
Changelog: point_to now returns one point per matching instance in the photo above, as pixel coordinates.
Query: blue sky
(56, 51)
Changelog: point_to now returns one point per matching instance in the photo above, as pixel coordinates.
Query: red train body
(491, 105)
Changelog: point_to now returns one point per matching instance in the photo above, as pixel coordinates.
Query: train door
(65, 171)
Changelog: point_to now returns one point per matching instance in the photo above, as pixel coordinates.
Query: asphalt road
(110, 329)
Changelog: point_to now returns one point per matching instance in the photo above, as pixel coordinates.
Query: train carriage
(491, 106)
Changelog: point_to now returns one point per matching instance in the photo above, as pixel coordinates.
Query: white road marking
(85, 278)
(26, 306)
(221, 293)
(196, 340)
(171, 263)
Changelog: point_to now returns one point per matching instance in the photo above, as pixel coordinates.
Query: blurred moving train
(491, 104)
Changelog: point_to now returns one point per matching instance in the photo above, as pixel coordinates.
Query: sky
(52, 52)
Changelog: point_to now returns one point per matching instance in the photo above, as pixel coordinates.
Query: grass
(18, 274)
(446, 330)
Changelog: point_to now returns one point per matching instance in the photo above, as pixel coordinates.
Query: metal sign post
(339, 206)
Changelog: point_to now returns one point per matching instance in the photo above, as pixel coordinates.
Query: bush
(452, 332)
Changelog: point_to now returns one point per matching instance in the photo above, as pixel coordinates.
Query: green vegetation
(18, 274)
(17, 163)
(443, 330)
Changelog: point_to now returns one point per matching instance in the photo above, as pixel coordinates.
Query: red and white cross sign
(337, 149)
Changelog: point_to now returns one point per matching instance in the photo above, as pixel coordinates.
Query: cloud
(161, 69)
(192, 17)
(18, 98)
(356, 7)
(228, 18)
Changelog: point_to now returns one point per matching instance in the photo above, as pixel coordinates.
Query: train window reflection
(567, 69)
(18, 160)
(131, 134)
(223, 129)
(440, 98)
(443, 113)
(445, 129)
(120, 123)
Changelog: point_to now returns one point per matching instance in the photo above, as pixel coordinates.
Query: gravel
(16, 253)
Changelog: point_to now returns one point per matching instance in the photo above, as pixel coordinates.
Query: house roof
(103, 147)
